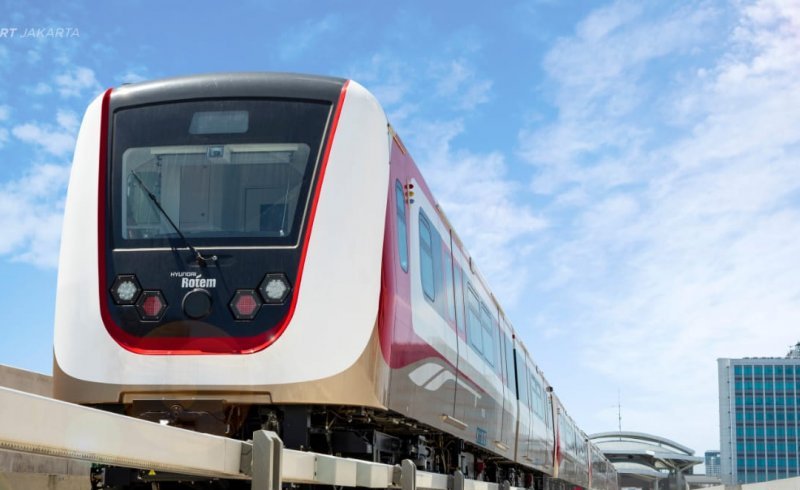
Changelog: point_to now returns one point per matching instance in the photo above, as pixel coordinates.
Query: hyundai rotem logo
(192, 280)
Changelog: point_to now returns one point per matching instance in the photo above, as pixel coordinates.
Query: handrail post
(408, 475)
(458, 480)
(266, 461)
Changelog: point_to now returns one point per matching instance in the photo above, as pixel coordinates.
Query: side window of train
(522, 375)
(473, 321)
(488, 336)
(510, 379)
(534, 396)
(448, 284)
(459, 293)
(402, 227)
(571, 438)
(549, 412)
(426, 257)
(538, 407)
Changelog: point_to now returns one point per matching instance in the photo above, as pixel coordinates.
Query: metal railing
(40, 425)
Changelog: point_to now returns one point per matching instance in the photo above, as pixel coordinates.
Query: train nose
(197, 304)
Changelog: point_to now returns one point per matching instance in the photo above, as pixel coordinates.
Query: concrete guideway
(23, 471)
(40, 425)
(784, 484)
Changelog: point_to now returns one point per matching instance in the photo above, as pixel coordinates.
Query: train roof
(222, 85)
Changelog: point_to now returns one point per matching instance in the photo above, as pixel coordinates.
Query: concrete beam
(21, 471)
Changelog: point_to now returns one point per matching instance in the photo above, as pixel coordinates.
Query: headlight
(125, 289)
(275, 288)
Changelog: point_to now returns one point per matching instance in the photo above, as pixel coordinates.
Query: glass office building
(712, 463)
(759, 405)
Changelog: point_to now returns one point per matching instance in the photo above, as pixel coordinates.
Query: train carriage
(246, 251)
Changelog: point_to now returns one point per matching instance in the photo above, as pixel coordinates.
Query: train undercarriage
(351, 432)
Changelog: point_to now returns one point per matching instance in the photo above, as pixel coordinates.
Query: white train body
(246, 251)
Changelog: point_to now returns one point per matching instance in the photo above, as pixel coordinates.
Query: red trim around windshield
(198, 345)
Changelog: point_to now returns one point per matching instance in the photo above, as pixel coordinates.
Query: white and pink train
(246, 251)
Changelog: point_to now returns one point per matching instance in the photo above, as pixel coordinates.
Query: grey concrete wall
(20, 471)
(784, 484)
(30, 481)
(14, 462)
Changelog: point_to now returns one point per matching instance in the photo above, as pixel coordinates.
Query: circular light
(275, 289)
(127, 291)
(197, 304)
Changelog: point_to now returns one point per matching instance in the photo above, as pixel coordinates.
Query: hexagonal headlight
(275, 288)
(125, 289)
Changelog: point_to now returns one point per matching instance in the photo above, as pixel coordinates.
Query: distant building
(712, 463)
(759, 407)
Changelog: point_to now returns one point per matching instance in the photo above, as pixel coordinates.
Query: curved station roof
(645, 457)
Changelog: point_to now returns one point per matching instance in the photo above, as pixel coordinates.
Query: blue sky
(626, 173)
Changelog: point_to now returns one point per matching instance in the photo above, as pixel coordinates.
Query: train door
(470, 405)
(397, 271)
(550, 439)
(539, 425)
(433, 316)
(467, 395)
(524, 454)
(510, 405)
(493, 418)
(456, 299)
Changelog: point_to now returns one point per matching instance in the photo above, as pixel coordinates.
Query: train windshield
(224, 172)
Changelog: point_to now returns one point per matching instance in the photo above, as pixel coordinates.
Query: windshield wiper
(201, 259)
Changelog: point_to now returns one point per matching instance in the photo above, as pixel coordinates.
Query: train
(246, 251)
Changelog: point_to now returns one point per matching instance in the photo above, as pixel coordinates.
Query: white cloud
(40, 88)
(457, 80)
(390, 81)
(132, 77)
(34, 56)
(478, 197)
(5, 111)
(473, 188)
(76, 82)
(305, 36)
(31, 211)
(603, 88)
(58, 140)
(681, 245)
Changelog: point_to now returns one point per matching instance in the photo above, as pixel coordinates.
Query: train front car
(211, 260)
